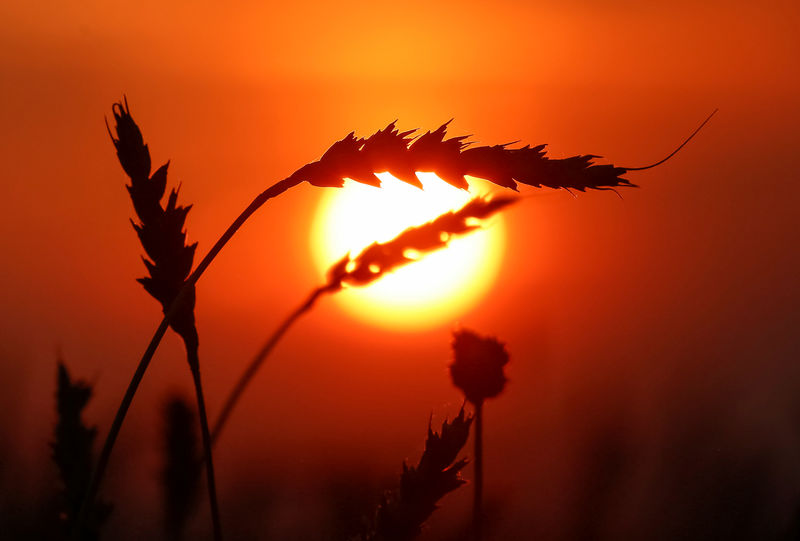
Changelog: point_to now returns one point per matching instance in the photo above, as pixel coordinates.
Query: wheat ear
(161, 232)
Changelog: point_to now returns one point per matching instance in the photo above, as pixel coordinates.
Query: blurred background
(654, 389)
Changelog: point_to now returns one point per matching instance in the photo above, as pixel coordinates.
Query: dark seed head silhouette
(160, 229)
(478, 365)
(380, 258)
(452, 160)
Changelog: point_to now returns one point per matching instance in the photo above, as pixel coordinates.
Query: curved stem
(194, 363)
(273, 191)
(477, 507)
(99, 470)
(258, 360)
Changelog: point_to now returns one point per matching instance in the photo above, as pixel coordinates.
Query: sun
(435, 290)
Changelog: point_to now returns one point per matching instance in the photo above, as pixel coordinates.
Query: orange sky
(678, 302)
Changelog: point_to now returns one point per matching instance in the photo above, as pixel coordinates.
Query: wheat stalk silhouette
(161, 232)
(389, 149)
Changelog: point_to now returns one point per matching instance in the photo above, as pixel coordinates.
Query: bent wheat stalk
(372, 263)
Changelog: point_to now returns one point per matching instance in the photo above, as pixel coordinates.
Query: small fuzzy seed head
(478, 364)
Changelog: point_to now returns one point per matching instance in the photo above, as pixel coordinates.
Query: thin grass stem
(477, 503)
(258, 360)
(273, 191)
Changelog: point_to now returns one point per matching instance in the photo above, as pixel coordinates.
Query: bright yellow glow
(439, 287)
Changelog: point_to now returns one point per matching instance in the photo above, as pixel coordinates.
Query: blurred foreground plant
(181, 462)
(72, 453)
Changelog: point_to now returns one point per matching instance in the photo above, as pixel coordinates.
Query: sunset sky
(668, 317)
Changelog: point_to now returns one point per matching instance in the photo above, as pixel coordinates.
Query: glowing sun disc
(439, 287)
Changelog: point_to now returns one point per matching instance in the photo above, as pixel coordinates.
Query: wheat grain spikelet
(452, 160)
(380, 258)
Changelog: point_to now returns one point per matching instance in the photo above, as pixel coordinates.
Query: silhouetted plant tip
(373, 262)
(182, 458)
(160, 229)
(402, 513)
(72, 454)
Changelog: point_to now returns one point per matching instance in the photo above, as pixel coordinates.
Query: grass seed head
(379, 258)
(478, 364)
(450, 158)
(160, 228)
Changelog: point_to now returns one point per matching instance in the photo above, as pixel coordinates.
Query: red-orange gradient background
(669, 317)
